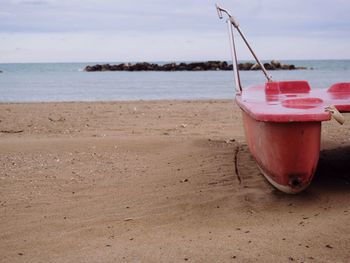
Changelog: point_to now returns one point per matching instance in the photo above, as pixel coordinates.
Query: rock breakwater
(194, 66)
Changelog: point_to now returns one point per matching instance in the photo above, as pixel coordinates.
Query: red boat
(282, 121)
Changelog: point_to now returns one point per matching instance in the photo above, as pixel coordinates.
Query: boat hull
(286, 152)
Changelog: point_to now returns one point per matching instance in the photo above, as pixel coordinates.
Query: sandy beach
(156, 181)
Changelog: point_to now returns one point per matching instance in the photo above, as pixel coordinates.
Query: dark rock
(223, 65)
(123, 67)
(169, 67)
(214, 61)
(182, 67)
(276, 64)
(114, 68)
(105, 67)
(88, 69)
(255, 67)
(97, 67)
(144, 66)
(155, 67)
(197, 69)
(285, 67)
(197, 66)
(269, 66)
(245, 66)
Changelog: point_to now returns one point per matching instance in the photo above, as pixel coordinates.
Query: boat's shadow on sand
(332, 174)
(333, 171)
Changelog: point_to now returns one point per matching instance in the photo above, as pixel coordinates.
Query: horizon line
(175, 61)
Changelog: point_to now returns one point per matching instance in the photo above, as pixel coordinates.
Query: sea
(57, 82)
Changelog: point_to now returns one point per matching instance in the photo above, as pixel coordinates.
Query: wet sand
(155, 181)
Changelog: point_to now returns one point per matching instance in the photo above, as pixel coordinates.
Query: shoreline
(119, 101)
(155, 181)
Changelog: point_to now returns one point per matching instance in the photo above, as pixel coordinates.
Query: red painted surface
(340, 92)
(340, 87)
(293, 101)
(299, 86)
(302, 103)
(287, 152)
(282, 122)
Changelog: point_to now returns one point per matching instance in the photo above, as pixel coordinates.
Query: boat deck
(293, 101)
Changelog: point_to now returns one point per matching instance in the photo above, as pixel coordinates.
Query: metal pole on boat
(232, 21)
(234, 59)
(268, 77)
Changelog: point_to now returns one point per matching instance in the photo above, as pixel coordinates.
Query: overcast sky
(163, 30)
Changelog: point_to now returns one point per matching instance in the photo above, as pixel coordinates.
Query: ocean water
(34, 82)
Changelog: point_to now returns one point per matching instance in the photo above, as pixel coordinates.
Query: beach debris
(128, 219)
(12, 131)
(230, 140)
(56, 120)
(329, 246)
(183, 125)
(291, 259)
(184, 181)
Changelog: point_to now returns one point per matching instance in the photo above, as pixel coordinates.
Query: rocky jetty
(195, 66)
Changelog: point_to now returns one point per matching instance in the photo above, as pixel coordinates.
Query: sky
(170, 30)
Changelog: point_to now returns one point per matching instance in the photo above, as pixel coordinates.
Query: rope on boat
(335, 114)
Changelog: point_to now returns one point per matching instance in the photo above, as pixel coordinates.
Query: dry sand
(155, 182)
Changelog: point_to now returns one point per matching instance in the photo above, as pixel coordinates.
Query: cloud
(274, 17)
(32, 2)
(164, 29)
